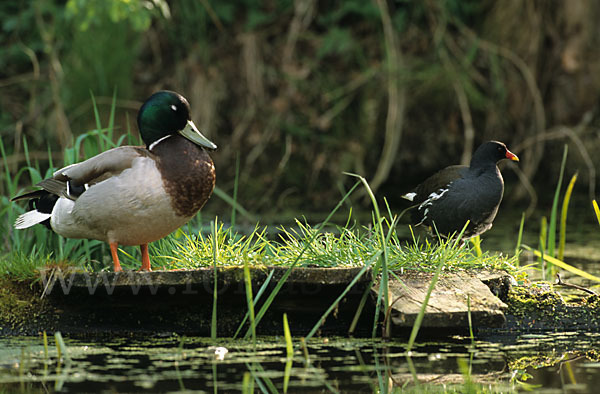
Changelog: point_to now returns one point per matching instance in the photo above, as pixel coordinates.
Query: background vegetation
(299, 91)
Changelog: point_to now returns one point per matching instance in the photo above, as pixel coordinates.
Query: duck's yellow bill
(191, 132)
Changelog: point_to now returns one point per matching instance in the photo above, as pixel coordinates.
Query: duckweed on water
(548, 359)
(175, 363)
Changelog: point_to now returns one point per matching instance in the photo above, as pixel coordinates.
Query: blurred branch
(533, 160)
(63, 129)
(32, 91)
(352, 85)
(277, 176)
(396, 100)
(242, 125)
(119, 103)
(303, 15)
(301, 20)
(459, 53)
(533, 198)
(257, 150)
(324, 121)
(16, 158)
(34, 60)
(560, 132)
(469, 131)
(465, 111)
(343, 96)
(253, 68)
(16, 79)
(438, 27)
(213, 16)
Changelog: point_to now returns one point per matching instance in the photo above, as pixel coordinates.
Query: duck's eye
(174, 107)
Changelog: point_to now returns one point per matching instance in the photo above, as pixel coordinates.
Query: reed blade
(213, 323)
(596, 210)
(563, 265)
(563, 218)
(553, 215)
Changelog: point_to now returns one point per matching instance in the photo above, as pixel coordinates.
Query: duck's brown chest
(188, 174)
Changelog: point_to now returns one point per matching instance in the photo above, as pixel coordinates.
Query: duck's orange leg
(145, 258)
(115, 256)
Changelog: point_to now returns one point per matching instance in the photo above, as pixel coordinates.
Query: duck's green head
(166, 113)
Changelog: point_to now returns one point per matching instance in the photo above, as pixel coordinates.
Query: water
(566, 361)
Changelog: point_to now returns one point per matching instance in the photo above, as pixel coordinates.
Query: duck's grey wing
(93, 170)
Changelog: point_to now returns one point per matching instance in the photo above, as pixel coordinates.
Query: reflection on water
(167, 364)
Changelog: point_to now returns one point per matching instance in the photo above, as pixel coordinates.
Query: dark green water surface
(567, 361)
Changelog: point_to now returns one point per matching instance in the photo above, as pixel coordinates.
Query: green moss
(534, 299)
(20, 303)
(538, 306)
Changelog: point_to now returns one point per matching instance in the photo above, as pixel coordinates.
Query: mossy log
(163, 302)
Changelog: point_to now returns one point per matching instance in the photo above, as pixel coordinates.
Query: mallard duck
(459, 193)
(131, 195)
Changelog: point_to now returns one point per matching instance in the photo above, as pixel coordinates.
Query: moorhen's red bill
(459, 193)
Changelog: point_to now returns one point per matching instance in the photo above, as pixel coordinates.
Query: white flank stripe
(432, 197)
(424, 217)
(409, 196)
(30, 218)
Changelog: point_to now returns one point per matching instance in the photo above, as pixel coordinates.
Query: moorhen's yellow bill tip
(511, 156)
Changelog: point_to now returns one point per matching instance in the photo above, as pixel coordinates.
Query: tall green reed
(382, 266)
(249, 300)
(551, 244)
(213, 324)
(547, 251)
(563, 218)
(289, 353)
(520, 238)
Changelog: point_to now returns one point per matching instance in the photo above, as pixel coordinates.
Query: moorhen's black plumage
(459, 193)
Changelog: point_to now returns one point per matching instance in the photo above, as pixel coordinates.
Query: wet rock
(448, 305)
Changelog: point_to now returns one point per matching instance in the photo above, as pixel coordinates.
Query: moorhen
(459, 193)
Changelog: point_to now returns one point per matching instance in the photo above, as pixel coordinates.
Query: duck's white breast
(131, 208)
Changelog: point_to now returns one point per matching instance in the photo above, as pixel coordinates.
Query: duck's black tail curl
(40, 204)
